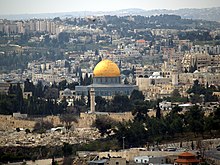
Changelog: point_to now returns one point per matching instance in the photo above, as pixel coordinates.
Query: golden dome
(106, 68)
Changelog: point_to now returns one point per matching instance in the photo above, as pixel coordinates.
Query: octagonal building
(106, 81)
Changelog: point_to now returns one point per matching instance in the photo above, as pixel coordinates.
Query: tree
(104, 124)
(72, 86)
(120, 103)
(64, 104)
(68, 120)
(194, 119)
(158, 112)
(46, 40)
(51, 93)
(140, 113)
(62, 85)
(38, 92)
(209, 123)
(135, 134)
(101, 104)
(96, 52)
(11, 90)
(196, 88)
(67, 149)
(181, 144)
(63, 37)
(81, 80)
(136, 95)
(41, 127)
(192, 145)
(28, 86)
(175, 93)
(19, 98)
(27, 131)
(174, 122)
(216, 119)
(88, 100)
(86, 80)
(176, 109)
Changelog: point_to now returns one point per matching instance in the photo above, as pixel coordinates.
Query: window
(117, 163)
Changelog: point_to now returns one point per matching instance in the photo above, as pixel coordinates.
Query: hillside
(209, 14)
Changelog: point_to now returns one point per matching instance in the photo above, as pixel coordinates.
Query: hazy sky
(50, 6)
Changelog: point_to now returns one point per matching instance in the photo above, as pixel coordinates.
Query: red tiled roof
(140, 41)
(187, 161)
(186, 154)
(187, 157)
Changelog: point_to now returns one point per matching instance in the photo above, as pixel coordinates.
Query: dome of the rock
(106, 68)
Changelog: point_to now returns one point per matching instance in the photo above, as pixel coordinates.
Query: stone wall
(87, 119)
(7, 122)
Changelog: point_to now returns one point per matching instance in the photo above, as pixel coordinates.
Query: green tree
(194, 119)
(132, 134)
(120, 103)
(68, 119)
(19, 98)
(175, 93)
(64, 104)
(67, 149)
(96, 52)
(196, 88)
(174, 122)
(38, 92)
(216, 119)
(104, 124)
(136, 95)
(101, 104)
(209, 123)
(89, 99)
(63, 37)
(140, 113)
(41, 127)
(158, 111)
(72, 86)
(62, 85)
(28, 86)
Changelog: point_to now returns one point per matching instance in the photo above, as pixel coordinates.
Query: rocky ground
(50, 138)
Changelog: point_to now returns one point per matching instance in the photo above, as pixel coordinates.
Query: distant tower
(92, 100)
(175, 78)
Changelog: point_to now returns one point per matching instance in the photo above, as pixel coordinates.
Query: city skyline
(12, 7)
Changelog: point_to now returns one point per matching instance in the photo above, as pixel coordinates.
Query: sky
(8, 7)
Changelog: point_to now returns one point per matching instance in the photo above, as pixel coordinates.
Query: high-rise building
(32, 24)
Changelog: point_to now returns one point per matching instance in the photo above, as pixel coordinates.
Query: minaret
(175, 78)
(92, 100)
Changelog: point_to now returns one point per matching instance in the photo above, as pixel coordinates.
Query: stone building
(200, 62)
(155, 86)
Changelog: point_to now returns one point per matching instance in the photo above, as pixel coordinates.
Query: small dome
(67, 92)
(106, 68)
